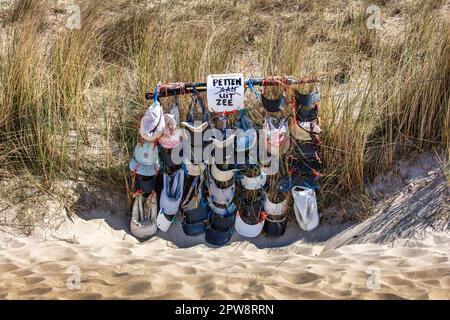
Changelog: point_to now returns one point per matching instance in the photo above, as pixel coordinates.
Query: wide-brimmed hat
(145, 159)
(152, 123)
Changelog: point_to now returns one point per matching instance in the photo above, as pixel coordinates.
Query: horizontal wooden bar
(172, 89)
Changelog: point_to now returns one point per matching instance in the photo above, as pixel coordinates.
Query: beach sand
(111, 264)
(402, 251)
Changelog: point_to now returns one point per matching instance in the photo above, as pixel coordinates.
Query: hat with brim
(229, 210)
(219, 175)
(145, 183)
(164, 222)
(275, 227)
(142, 169)
(275, 209)
(306, 100)
(152, 123)
(143, 224)
(218, 238)
(194, 229)
(248, 230)
(254, 183)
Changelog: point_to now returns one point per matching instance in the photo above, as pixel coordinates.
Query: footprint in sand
(33, 280)
(121, 252)
(8, 267)
(134, 288)
(301, 278)
(36, 292)
(189, 270)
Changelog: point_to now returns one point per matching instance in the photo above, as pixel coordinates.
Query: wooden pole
(171, 89)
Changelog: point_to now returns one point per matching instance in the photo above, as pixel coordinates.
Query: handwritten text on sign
(225, 92)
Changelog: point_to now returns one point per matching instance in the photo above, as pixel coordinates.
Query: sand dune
(401, 252)
(114, 265)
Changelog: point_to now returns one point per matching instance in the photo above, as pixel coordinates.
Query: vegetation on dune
(70, 99)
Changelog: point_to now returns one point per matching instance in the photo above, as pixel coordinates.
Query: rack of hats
(230, 191)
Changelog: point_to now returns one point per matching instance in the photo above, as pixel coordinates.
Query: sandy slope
(113, 265)
(400, 252)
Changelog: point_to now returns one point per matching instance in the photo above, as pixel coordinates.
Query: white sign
(225, 92)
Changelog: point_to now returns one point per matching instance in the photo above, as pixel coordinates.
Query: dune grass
(70, 99)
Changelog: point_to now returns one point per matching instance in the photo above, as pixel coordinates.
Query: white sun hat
(152, 123)
(251, 211)
(249, 230)
(305, 208)
(143, 217)
(221, 196)
(275, 209)
(219, 175)
(254, 183)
